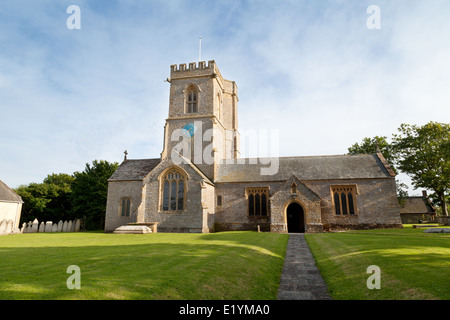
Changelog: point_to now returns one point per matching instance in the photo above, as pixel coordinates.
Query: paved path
(300, 278)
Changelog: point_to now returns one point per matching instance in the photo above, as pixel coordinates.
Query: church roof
(134, 170)
(363, 166)
(416, 205)
(7, 194)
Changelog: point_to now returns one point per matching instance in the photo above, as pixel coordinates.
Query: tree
(374, 145)
(47, 201)
(424, 154)
(89, 192)
(380, 144)
(60, 206)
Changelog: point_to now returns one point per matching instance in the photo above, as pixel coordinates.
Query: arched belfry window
(192, 99)
(173, 191)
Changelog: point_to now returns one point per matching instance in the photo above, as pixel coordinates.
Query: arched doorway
(295, 218)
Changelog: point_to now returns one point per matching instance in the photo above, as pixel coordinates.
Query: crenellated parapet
(191, 70)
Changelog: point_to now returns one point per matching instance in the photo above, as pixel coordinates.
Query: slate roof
(7, 194)
(416, 205)
(134, 170)
(363, 166)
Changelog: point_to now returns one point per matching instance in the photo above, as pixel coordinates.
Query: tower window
(219, 201)
(344, 199)
(173, 191)
(192, 100)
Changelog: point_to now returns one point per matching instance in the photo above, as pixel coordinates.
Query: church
(201, 184)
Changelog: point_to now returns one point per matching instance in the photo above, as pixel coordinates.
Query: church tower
(202, 122)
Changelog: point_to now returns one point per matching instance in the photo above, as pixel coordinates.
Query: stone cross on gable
(126, 153)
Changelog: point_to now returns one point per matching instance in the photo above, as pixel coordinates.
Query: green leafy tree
(380, 144)
(424, 154)
(60, 206)
(374, 145)
(89, 193)
(47, 201)
(35, 196)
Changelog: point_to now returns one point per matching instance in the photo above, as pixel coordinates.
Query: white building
(10, 210)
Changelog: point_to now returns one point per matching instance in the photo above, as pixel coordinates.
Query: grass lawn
(414, 265)
(228, 265)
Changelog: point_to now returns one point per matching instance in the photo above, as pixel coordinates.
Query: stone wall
(192, 218)
(117, 191)
(376, 204)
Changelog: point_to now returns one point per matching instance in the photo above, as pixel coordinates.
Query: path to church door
(295, 218)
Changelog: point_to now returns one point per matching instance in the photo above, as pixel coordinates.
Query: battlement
(194, 70)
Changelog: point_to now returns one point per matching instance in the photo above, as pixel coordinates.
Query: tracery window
(258, 201)
(173, 191)
(344, 199)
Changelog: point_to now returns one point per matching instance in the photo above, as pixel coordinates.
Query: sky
(316, 72)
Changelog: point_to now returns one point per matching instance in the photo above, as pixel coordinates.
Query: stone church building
(201, 184)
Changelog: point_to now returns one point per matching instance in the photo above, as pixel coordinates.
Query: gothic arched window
(258, 201)
(173, 191)
(192, 99)
(344, 198)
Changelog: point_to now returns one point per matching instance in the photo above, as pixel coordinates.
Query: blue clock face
(190, 128)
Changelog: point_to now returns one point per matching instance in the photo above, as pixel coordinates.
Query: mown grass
(229, 265)
(414, 265)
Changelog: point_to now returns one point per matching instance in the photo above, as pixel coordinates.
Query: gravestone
(24, 228)
(64, 228)
(55, 227)
(60, 226)
(69, 226)
(35, 226)
(42, 227)
(48, 226)
(77, 225)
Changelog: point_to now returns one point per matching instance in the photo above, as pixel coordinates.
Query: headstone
(3, 226)
(24, 228)
(64, 228)
(35, 226)
(42, 227)
(77, 225)
(55, 227)
(60, 226)
(48, 226)
(69, 226)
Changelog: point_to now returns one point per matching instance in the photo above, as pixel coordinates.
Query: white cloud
(311, 70)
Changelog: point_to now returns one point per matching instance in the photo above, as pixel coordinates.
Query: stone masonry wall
(118, 190)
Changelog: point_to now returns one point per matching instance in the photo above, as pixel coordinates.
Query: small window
(344, 199)
(125, 207)
(219, 201)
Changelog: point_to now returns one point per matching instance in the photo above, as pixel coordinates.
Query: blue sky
(310, 69)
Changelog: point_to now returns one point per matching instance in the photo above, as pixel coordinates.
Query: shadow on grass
(216, 266)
